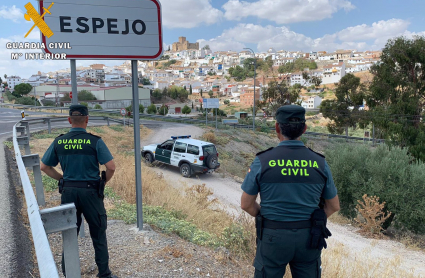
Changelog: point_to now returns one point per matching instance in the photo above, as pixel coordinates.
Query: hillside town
(201, 71)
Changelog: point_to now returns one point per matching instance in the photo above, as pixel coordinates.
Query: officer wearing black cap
(79, 154)
(297, 195)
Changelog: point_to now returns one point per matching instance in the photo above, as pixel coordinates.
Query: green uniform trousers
(280, 247)
(88, 203)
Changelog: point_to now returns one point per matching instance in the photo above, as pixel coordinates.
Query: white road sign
(123, 112)
(103, 29)
(211, 103)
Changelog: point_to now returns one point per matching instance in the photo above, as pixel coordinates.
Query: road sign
(123, 112)
(70, 95)
(104, 29)
(211, 103)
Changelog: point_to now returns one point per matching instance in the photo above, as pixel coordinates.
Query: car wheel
(148, 158)
(185, 170)
(212, 161)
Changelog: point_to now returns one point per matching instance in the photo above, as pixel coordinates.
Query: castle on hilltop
(183, 44)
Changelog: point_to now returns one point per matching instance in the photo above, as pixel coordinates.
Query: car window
(167, 145)
(193, 149)
(209, 149)
(180, 147)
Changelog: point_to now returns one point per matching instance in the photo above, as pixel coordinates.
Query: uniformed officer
(79, 154)
(291, 180)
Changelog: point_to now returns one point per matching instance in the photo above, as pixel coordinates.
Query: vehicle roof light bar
(181, 137)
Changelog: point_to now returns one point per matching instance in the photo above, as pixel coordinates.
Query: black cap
(284, 113)
(78, 110)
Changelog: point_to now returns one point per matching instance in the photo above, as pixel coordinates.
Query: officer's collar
(291, 143)
(79, 129)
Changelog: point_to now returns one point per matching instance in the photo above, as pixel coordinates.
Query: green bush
(186, 110)
(152, 109)
(26, 101)
(10, 96)
(85, 104)
(391, 174)
(141, 108)
(97, 106)
(48, 103)
(163, 110)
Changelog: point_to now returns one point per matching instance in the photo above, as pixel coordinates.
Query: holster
(319, 232)
(102, 185)
(60, 185)
(259, 220)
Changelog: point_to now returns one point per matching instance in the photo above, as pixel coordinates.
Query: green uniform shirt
(79, 158)
(292, 192)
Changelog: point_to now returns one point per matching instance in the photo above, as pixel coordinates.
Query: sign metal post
(216, 112)
(137, 151)
(74, 81)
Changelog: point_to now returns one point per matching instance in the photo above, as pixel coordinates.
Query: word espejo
(137, 26)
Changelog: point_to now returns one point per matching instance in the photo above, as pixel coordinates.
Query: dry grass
(373, 216)
(338, 261)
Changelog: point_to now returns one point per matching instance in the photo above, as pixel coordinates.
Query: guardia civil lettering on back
(297, 195)
(79, 154)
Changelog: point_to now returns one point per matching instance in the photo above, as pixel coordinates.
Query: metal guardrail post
(21, 129)
(24, 141)
(49, 125)
(26, 124)
(107, 120)
(54, 221)
(33, 160)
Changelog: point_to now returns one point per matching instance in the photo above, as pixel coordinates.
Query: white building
(333, 73)
(312, 102)
(161, 85)
(12, 81)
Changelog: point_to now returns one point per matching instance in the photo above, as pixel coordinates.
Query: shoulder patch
(94, 135)
(264, 151)
(60, 135)
(316, 152)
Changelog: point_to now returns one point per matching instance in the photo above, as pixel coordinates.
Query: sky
(304, 25)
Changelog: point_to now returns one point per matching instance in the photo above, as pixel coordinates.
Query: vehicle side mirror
(158, 146)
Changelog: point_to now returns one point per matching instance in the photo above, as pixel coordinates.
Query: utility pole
(255, 75)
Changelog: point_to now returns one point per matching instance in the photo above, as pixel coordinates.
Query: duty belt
(263, 223)
(277, 225)
(82, 184)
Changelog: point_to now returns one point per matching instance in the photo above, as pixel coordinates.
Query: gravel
(149, 253)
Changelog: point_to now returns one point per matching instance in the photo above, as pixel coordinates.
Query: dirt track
(228, 191)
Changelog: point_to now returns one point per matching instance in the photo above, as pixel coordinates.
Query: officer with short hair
(79, 154)
(290, 220)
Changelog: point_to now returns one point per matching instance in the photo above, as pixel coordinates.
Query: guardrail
(308, 134)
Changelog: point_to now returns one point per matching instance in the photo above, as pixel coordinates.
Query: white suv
(190, 155)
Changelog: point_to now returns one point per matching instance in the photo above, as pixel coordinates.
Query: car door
(179, 153)
(163, 151)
